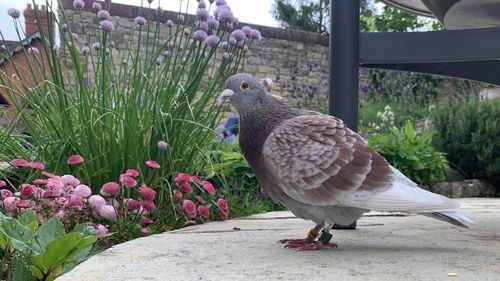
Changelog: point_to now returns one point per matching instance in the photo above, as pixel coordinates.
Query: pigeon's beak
(224, 96)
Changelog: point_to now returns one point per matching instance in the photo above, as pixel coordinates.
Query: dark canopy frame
(472, 54)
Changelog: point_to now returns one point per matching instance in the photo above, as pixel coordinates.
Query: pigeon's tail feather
(454, 218)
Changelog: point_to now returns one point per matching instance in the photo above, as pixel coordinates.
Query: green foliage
(240, 187)
(29, 252)
(469, 133)
(411, 153)
(114, 116)
(303, 15)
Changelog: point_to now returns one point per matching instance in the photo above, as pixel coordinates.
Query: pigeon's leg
(311, 237)
(322, 243)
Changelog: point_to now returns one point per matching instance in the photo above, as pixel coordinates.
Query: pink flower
(182, 178)
(223, 215)
(177, 194)
(110, 188)
(189, 208)
(200, 199)
(189, 223)
(203, 211)
(61, 214)
(146, 221)
(186, 188)
(49, 175)
(196, 179)
(133, 204)
(51, 192)
(24, 203)
(55, 183)
(144, 231)
(132, 173)
(27, 190)
(36, 165)
(179, 208)
(148, 206)
(127, 181)
(2, 183)
(75, 159)
(20, 163)
(208, 187)
(40, 181)
(107, 212)
(222, 204)
(70, 180)
(96, 201)
(75, 201)
(147, 193)
(83, 191)
(6, 193)
(10, 203)
(100, 229)
(153, 164)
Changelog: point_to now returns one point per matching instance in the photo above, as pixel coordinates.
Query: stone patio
(384, 247)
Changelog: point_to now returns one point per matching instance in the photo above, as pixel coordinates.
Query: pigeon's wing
(316, 160)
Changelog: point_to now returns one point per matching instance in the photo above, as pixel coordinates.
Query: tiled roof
(13, 47)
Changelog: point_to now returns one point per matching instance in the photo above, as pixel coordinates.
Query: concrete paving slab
(383, 247)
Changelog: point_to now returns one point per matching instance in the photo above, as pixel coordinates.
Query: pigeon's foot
(295, 243)
(306, 244)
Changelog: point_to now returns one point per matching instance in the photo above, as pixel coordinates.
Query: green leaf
(3, 240)
(29, 220)
(49, 231)
(62, 250)
(84, 229)
(21, 273)
(21, 236)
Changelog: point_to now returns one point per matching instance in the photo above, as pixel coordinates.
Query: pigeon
(319, 169)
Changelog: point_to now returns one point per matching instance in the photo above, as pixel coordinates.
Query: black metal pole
(344, 61)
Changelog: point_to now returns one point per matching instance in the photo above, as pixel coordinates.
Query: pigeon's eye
(244, 85)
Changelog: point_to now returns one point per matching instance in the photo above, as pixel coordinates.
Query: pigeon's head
(243, 91)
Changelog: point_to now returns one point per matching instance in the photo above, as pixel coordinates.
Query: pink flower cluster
(73, 202)
(191, 191)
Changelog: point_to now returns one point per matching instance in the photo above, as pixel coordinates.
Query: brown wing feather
(316, 158)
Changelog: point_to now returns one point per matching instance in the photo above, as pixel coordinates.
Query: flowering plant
(123, 207)
(194, 199)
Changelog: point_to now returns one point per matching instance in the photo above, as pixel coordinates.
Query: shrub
(30, 251)
(469, 133)
(411, 153)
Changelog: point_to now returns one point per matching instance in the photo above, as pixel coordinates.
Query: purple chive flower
(211, 1)
(170, 44)
(96, 7)
(235, 21)
(150, 1)
(212, 40)
(162, 145)
(202, 14)
(212, 23)
(238, 34)
(159, 60)
(96, 46)
(232, 41)
(170, 24)
(103, 15)
(229, 26)
(225, 15)
(33, 51)
(64, 27)
(3, 47)
(247, 30)
(75, 36)
(140, 21)
(203, 26)
(166, 53)
(14, 13)
(255, 34)
(220, 2)
(112, 43)
(107, 26)
(187, 31)
(226, 55)
(85, 51)
(159, 11)
(180, 18)
(202, 4)
(224, 45)
(78, 4)
(240, 43)
(200, 35)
